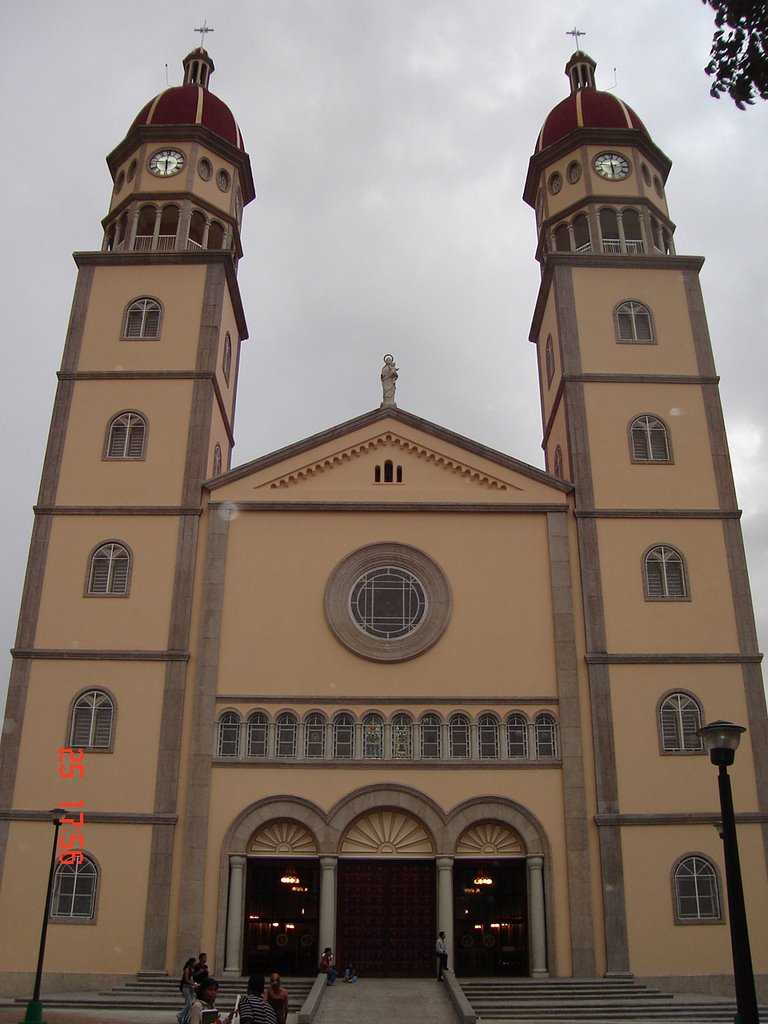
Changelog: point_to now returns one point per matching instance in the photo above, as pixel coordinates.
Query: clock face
(166, 162)
(612, 166)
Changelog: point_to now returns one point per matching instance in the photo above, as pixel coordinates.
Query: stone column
(445, 903)
(234, 940)
(327, 902)
(536, 918)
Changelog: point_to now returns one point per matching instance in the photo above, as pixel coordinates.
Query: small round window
(387, 602)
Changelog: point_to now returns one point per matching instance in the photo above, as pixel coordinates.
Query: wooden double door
(386, 917)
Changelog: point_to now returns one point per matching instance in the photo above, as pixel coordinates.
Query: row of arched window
(126, 439)
(695, 884)
(163, 228)
(614, 231)
(109, 570)
(648, 442)
(374, 738)
(633, 323)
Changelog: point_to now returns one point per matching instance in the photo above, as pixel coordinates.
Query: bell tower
(144, 413)
(631, 416)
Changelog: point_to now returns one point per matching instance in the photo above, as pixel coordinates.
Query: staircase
(163, 994)
(600, 1001)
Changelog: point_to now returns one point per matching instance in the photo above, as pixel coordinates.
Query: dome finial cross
(574, 32)
(203, 30)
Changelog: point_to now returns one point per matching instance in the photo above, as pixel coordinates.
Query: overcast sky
(389, 141)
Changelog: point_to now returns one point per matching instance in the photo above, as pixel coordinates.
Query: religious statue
(388, 380)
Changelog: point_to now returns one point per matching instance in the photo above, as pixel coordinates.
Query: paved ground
(377, 1001)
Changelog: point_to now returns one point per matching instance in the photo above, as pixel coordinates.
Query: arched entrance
(386, 896)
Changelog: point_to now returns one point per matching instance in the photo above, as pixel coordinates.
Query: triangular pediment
(393, 457)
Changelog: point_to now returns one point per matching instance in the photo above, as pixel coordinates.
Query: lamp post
(34, 1014)
(721, 740)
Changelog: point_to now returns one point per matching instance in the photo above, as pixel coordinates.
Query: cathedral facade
(385, 681)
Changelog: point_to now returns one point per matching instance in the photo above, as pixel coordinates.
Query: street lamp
(34, 1014)
(721, 740)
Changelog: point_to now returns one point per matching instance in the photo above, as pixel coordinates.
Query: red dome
(192, 104)
(587, 108)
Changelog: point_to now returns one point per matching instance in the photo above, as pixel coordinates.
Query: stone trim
(384, 506)
(116, 510)
(341, 702)
(571, 750)
(197, 810)
(655, 513)
(640, 378)
(95, 817)
(66, 654)
(695, 658)
(679, 818)
(467, 764)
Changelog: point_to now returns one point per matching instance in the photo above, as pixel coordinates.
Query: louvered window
(286, 736)
(74, 891)
(314, 736)
(430, 736)
(517, 736)
(228, 742)
(127, 433)
(373, 737)
(697, 893)
(650, 442)
(545, 734)
(665, 573)
(549, 358)
(458, 735)
(92, 721)
(488, 736)
(679, 718)
(109, 570)
(633, 322)
(142, 319)
(343, 736)
(257, 735)
(226, 360)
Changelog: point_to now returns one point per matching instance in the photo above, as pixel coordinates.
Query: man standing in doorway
(441, 952)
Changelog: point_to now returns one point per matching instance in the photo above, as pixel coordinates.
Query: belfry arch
(286, 850)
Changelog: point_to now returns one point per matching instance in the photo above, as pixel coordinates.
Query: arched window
(91, 725)
(633, 323)
(562, 238)
(402, 737)
(458, 736)
(314, 735)
(344, 736)
(609, 230)
(650, 441)
(169, 222)
(430, 729)
(216, 235)
(226, 358)
(665, 573)
(549, 359)
(258, 733)
(145, 229)
(217, 460)
(517, 735)
(109, 570)
(285, 742)
(679, 718)
(545, 735)
(74, 890)
(581, 236)
(633, 232)
(373, 737)
(142, 319)
(228, 737)
(697, 891)
(558, 467)
(125, 436)
(197, 225)
(488, 736)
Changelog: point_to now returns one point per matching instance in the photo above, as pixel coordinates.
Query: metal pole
(743, 976)
(35, 1007)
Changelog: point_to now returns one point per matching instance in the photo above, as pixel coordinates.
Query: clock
(612, 166)
(166, 162)
(555, 183)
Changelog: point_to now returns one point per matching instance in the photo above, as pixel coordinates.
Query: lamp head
(721, 740)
